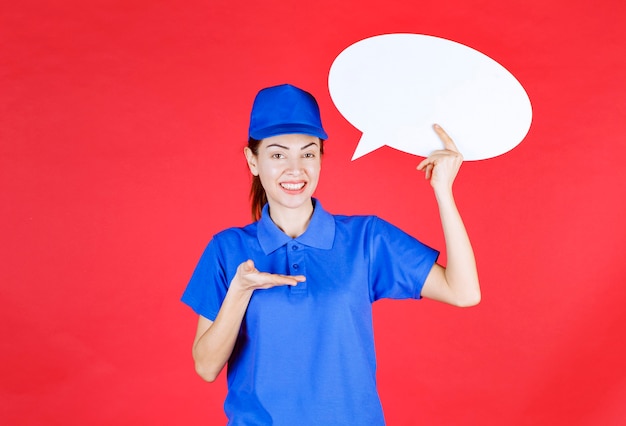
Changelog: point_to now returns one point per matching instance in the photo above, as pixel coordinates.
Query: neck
(292, 222)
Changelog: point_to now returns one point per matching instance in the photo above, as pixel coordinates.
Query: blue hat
(284, 109)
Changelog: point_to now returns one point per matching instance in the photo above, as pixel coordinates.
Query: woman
(286, 301)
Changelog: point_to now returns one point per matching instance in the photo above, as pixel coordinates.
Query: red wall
(121, 132)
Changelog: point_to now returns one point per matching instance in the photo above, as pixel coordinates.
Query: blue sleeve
(208, 285)
(399, 263)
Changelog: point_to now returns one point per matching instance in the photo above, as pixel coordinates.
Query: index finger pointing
(448, 143)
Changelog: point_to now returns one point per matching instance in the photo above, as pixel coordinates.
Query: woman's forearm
(213, 347)
(461, 272)
(215, 341)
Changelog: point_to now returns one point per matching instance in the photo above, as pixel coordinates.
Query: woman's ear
(252, 160)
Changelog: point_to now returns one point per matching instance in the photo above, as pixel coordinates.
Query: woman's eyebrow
(306, 146)
(284, 147)
(277, 146)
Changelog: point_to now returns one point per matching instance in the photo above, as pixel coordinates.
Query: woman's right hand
(249, 278)
(215, 340)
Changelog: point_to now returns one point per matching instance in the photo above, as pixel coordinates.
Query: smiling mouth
(293, 186)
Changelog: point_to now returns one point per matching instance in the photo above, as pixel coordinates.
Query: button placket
(295, 259)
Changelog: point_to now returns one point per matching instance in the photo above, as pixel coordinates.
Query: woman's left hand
(442, 166)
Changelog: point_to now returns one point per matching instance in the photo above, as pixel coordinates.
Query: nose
(294, 167)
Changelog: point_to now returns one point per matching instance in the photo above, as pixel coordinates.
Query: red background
(121, 132)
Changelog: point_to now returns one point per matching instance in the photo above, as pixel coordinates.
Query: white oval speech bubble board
(394, 87)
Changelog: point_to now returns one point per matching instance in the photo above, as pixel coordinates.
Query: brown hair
(258, 198)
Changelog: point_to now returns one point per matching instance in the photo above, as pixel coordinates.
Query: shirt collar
(319, 234)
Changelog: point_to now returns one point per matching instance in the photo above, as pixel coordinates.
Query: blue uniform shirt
(305, 354)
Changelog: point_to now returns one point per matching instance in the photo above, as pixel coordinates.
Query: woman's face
(289, 168)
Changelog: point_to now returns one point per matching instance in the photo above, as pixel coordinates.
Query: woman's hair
(257, 193)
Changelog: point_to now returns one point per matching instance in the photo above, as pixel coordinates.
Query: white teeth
(292, 186)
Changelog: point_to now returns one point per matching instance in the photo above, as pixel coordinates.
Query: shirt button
(294, 247)
(295, 266)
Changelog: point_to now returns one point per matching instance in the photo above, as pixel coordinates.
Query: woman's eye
(278, 156)
(309, 155)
